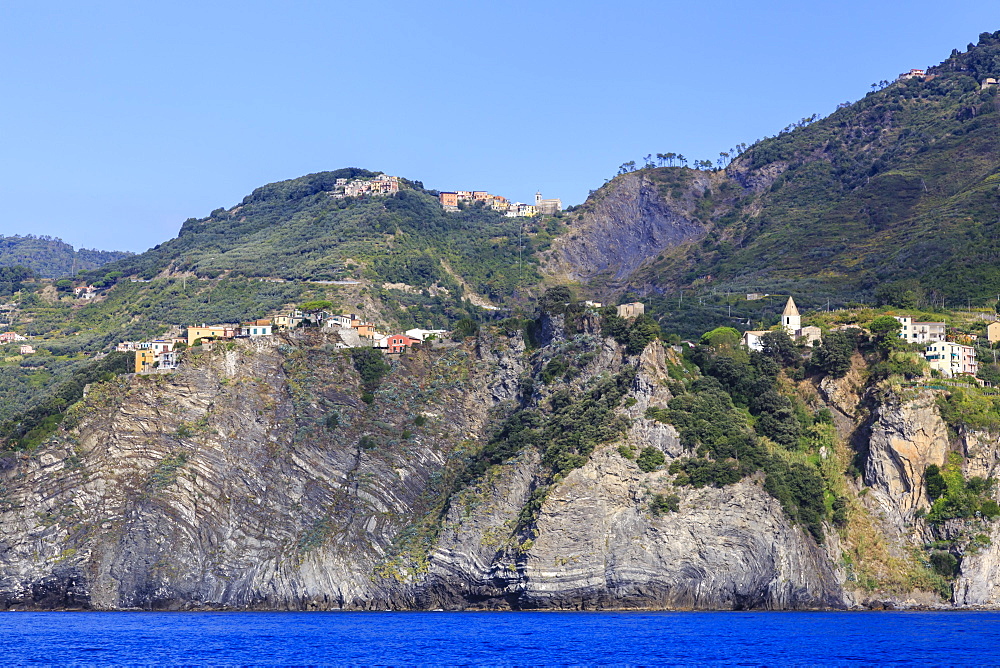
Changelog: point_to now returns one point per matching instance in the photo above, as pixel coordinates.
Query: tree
(834, 354)
(464, 328)
(884, 325)
(371, 366)
(721, 337)
(780, 347)
(936, 485)
(555, 299)
(316, 305)
(650, 459)
(641, 332)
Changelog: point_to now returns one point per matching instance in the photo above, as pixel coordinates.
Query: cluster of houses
(950, 358)
(354, 331)
(382, 185)
(546, 207)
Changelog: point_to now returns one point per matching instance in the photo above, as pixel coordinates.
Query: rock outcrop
(626, 226)
(254, 478)
(905, 438)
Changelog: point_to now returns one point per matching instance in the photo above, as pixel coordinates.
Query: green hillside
(295, 230)
(892, 199)
(50, 257)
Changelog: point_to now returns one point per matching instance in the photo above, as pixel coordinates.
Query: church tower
(790, 318)
(538, 198)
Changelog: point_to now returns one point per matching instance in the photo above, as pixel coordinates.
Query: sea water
(507, 638)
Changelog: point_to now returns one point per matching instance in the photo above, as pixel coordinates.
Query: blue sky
(122, 119)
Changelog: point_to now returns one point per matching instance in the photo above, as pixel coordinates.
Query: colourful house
(144, 360)
(397, 343)
(212, 332)
(256, 328)
(951, 359)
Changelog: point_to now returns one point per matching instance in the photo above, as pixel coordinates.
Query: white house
(751, 339)
(424, 334)
(920, 332)
(951, 359)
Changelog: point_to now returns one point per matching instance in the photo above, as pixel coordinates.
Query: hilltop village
(384, 185)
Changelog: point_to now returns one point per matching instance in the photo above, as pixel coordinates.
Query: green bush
(650, 459)
(661, 504)
(371, 366)
(945, 564)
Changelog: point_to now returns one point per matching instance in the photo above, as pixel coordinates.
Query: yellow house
(282, 322)
(144, 360)
(195, 332)
(993, 332)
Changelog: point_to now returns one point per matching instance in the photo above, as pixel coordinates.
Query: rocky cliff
(255, 478)
(625, 224)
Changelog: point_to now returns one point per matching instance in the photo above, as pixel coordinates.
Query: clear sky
(119, 120)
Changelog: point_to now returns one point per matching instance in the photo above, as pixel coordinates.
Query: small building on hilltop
(547, 207)
(631, 310)
(993, 332)
(424, 334)
(752, 339)
(791, 321)
(85, 292)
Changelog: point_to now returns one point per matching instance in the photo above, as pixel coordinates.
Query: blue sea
(508, 638)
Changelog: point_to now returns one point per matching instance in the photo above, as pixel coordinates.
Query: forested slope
(50, 257)
(894, 195)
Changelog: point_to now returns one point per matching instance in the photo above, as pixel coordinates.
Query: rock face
(905, 438)
(979, 582)
(627, 226)
(254, 478)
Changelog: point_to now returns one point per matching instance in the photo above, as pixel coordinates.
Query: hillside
(893, 198)
(295, 230)
(50, 257)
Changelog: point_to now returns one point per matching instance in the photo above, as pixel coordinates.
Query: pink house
(397, 343)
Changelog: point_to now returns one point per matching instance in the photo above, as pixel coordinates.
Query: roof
(790, 307)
